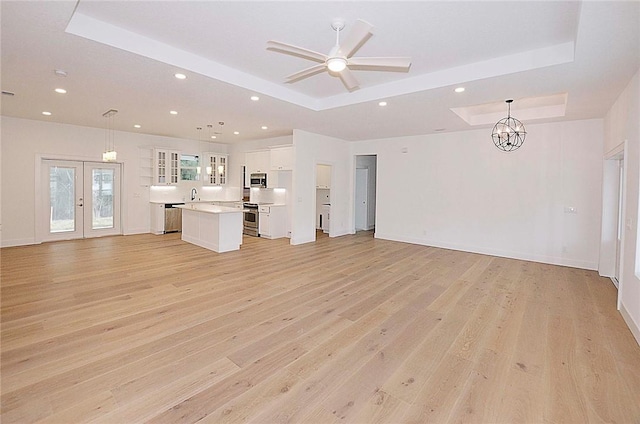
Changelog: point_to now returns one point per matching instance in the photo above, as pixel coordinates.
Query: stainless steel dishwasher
(172, 218)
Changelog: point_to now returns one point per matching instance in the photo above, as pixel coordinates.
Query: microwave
(259, 180)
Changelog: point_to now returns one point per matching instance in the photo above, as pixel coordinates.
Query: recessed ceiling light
(264, 127)
(459, 90)
(173, 112)
(382, 103)
(255, 98)
(60, 72)
(180, 76)
(137, 126)
(60, 90)
(213, 136)
(45, 113)
(236, 132)
(439, 129)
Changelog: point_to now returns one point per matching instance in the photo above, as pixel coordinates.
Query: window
(189, 167)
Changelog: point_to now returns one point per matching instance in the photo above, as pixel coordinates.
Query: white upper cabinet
(323, 176)
(215, 168)
(282, 158)
(257, 162)
(166, 167)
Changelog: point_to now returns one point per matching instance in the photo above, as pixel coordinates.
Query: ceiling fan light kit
(508, 133)
(337, 63)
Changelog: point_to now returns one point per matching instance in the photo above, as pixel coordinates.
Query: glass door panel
(62, 199)
(102, 206)
(102, 198)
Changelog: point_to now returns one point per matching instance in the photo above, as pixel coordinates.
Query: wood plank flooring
(352, 329)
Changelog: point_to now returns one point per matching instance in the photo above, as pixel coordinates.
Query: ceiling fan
(339, 62)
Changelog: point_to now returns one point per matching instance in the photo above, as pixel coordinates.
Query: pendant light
(508, 133)
(109, 154)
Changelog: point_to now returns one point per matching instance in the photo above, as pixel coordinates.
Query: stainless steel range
(251, 220)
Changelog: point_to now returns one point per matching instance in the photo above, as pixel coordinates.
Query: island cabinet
(166, 167)
(216, 228)
(272, 221)
(215, 167)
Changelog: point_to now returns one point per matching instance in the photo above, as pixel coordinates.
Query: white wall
(622, 123)
(310, 150)
(456, 190)
(23, 141)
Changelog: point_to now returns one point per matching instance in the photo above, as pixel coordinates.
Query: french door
(81, 199)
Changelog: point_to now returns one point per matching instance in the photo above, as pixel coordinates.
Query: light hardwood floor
(353, 330)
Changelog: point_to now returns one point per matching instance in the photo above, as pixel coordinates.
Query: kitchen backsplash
(177, 194)
(268, 195)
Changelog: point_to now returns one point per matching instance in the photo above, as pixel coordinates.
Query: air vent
(8, 93)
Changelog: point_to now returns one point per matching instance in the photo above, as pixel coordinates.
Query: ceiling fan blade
(380, 63)
(349, 80)
(296, 51)
(358, 35)
(305, 73)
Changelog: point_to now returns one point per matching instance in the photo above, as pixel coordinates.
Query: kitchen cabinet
(157, 218)
(326, 218)
(166, 167)
(215, 168)
(282, 158)
(257, 162)
(272, 221)
(323, 176)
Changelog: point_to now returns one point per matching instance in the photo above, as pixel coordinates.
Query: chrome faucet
(194, 193)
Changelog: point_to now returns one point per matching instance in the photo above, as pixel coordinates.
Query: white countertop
(208, 208)
(212, 201)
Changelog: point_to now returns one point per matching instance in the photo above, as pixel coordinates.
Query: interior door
(362, 181)
(81, 199)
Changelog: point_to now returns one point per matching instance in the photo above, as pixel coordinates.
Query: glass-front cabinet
(215, 167)
(166, 167)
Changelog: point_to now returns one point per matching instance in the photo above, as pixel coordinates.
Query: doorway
(365, 193)
(80, 199)
(323, 199)
(613, 216)
(619, 226)
(362, 201)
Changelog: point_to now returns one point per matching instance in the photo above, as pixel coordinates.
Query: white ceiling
(123, 55)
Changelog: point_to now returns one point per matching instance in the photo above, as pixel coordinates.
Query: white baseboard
(635, 329)
(301, 240)
(615, 282)
(133, 231)
(17, 242)
(492, 252)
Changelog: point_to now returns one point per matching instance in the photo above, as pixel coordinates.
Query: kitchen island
(217, 228)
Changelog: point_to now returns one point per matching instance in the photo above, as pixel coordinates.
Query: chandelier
(508, 133)
(109, 154)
